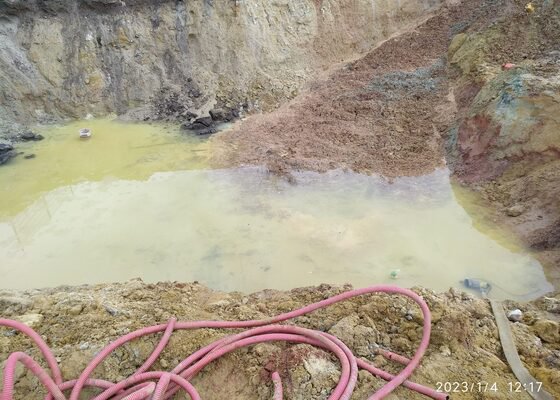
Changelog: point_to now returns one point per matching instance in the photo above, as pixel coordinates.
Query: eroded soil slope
(386, 113)
(78, 321)
(69, 58)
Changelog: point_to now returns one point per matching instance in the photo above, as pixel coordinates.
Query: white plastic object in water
(85, 133)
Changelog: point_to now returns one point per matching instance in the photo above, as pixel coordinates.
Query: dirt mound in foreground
(78, 321)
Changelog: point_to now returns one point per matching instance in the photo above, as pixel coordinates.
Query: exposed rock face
(6, 152)
(507, 139)
(68, 58)
(512, 121)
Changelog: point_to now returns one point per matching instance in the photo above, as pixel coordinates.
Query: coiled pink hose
(160, 385)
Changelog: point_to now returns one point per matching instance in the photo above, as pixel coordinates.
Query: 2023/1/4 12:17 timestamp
(487, 387)
(518, 387)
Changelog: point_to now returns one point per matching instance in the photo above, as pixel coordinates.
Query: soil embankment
(77, 322)
(506, 141)
(387, 113)
(172, 59)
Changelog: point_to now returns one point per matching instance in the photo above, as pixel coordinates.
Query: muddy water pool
(140, 201)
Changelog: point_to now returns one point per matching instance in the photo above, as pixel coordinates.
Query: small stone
(515, 211)
(27, 136)
(416, 316)
(6, 147)
(515, 315)
(445, 351)
(29, 156)
(201, 126)
(222, 115)
(76, 310)
(111, 310)
(84, 346)
(7, 156)
(547, 330)
(552, 305)
(31, 320)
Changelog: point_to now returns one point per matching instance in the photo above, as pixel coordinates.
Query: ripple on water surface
(243, 229)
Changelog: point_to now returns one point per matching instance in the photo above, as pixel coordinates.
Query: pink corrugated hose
(163, 385)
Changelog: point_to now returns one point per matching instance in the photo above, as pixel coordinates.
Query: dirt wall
(506, 141)
(70, 58)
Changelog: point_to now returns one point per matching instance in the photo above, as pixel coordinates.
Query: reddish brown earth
(385, 113)
(506, 144)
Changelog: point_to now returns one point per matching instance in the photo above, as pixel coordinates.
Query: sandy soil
(78, 321)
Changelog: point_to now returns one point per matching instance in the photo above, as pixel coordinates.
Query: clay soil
(78, 322)
(385, 113)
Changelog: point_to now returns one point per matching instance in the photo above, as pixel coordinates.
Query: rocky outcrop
(70, 58)
(211, 124)
(506, 143)
(512, 123)
(6, 152)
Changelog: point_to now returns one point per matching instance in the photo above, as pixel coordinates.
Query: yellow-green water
(116, 150)
(242, 229)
